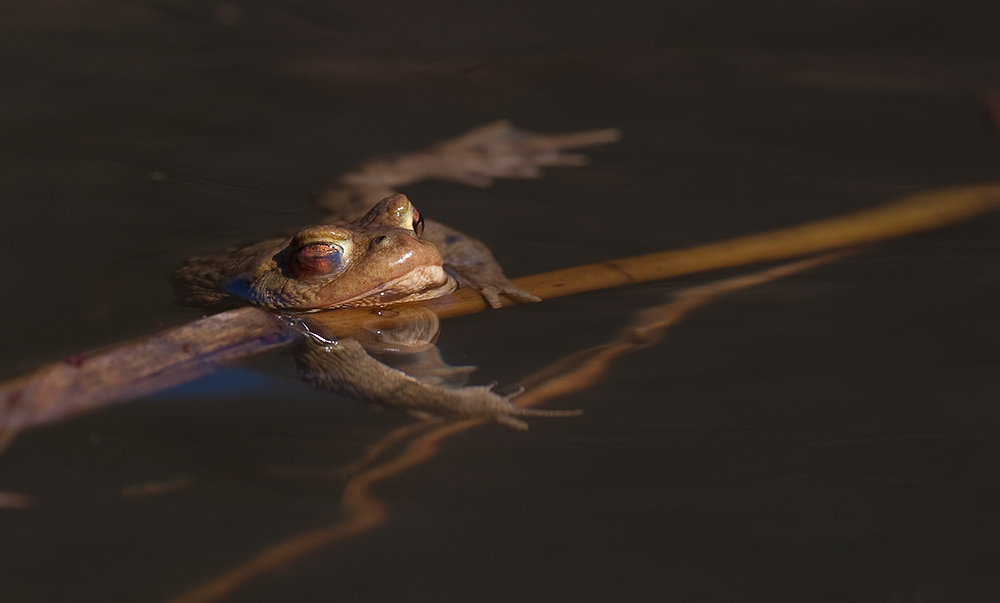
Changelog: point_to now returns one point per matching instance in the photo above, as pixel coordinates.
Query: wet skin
(386, 256)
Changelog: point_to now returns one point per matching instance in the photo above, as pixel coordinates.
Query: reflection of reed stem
(364, 513)
(584, 368)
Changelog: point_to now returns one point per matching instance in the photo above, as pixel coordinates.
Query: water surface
(833, 436)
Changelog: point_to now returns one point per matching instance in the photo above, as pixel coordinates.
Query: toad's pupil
(316, 258)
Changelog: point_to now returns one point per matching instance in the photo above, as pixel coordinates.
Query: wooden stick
(138, 368)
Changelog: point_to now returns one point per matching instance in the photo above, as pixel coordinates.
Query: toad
(387, 255)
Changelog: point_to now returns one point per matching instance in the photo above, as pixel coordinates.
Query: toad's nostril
(418, 222)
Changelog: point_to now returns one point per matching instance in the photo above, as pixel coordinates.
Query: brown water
(833, 436)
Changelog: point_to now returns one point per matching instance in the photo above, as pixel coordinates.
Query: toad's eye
(316, 259)
(418, 222)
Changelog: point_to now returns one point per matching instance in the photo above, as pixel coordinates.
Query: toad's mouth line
(424, 282)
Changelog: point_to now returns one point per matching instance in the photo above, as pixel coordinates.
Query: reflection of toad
(387, 255)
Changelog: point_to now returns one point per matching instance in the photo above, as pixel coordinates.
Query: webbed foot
(481, 401)
(346, 368)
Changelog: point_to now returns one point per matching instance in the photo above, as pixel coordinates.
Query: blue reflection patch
(227, 382)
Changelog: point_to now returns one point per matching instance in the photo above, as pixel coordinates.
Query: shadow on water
(827, 436)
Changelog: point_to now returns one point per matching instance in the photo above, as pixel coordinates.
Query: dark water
(833, 436)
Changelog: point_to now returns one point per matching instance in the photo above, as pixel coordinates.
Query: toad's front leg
(473, 265)
(345, 367)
